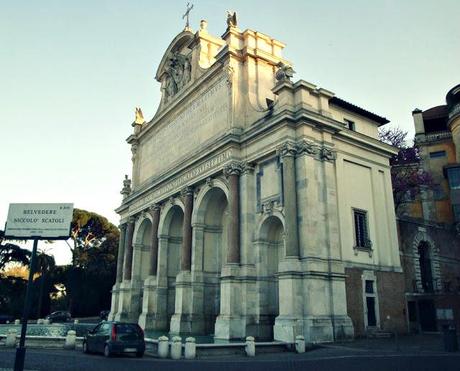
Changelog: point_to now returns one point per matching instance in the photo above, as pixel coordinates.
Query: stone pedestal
(289, 323)
(230, 324)
(182, 320)
(129, 301)
(114, 302)
(153, 316)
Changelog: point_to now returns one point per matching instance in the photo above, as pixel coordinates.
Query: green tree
(11, 253)
(45, 267)
(93, 269)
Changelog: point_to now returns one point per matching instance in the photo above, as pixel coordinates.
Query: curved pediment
(176, 47)
(175, 68)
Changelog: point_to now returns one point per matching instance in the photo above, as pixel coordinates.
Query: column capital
(233, 168)
(153, 208)
(328, 154)
(122, 226)
(131, 219)
(307, 147)
(288, 149)
(248, 168)
(186, 191)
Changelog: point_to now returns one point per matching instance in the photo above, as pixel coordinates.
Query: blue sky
(71, 74)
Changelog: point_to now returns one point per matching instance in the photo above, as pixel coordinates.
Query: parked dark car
(104, 315)
(60, 316)
(6, 318)
(115, 338)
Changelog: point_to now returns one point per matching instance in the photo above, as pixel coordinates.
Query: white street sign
(44, 221)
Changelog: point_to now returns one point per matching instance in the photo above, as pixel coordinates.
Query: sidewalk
(404, 344)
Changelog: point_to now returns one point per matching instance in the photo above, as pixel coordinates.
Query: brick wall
(391, 299)
(390, 286)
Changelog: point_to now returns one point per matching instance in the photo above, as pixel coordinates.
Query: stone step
(380, 334)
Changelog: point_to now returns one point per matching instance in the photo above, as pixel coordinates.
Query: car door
(91, 338)
(102, 335)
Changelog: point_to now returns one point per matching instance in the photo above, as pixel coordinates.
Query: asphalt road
(61, 360)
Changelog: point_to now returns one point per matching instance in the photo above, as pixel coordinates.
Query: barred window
(437, 154)
(453, 175)
(456, 211)
(361, 229)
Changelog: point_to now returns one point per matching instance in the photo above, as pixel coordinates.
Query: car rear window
(128, 329)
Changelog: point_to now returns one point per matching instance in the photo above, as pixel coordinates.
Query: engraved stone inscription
(180, 181)
(200, 120)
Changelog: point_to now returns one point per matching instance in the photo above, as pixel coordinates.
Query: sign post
(37, 222)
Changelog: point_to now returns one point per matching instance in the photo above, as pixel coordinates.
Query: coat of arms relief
(178, 73)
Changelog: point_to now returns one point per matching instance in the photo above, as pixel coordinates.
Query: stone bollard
(176, 347)
(76, 321)
(70, 340)
(190, 348)
(250, 347)
(300, 344)
(11, 338)
(46, 322)
(17, 321)
(163, 347)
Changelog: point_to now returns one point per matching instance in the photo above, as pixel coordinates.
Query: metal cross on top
(186, 15)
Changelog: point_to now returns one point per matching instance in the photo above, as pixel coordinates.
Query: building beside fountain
(258, 205)
(429, 225)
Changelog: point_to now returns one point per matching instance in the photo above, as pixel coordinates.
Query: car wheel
(107, 352)
(85, 347)
(139, 354)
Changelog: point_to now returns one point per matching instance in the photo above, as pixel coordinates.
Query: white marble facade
(238, 220)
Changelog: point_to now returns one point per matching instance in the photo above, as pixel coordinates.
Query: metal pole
(21, 350)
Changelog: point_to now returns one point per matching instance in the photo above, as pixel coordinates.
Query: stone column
(182, 321)
(121, 253)
(186, 251)
(232, 172)
(288, 324)
(119, 276)
(230, 322)
(128, 261)
(287, 153)
(155, 212)
(130, 290)
(150, 317)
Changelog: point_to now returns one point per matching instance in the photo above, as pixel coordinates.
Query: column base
(183, 320)
(287, 328)
(343, 328)
(230, 327)
(129, 302)
(320, 329)
(154, 298)
(230, 324)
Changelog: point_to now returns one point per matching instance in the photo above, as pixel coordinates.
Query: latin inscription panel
(202, 119)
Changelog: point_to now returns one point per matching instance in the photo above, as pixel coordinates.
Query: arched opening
(173, 231)
(141, 253)
(213, 216)
(270, 251)
(426, 275)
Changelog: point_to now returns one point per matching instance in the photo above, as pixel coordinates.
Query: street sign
(39, 221)
(35, 222)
